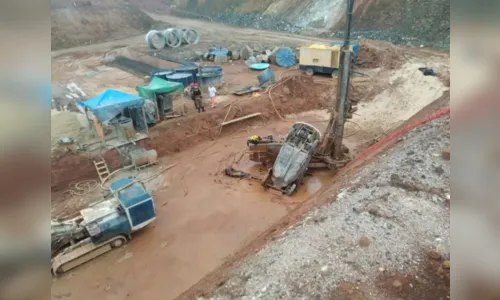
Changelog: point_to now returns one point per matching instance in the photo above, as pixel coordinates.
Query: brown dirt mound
(70, 168)
(291, 95)
(379, 55)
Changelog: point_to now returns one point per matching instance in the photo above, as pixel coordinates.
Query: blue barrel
(211, 75)
(162, 73)
(266, 76)
(218, 51)
(184, 78)
(212, 70)
(193, 70)
(285, 57)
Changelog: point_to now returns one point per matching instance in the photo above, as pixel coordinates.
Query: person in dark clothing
(196, 96)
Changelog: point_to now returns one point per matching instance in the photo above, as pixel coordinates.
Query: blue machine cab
(136, 202)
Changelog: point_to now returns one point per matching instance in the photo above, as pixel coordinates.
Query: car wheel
(117, 243)
(309, 71)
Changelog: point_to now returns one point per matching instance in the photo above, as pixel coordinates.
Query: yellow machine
(321, 58)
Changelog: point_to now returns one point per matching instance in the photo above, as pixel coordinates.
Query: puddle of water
(252, 167)
(311, 184)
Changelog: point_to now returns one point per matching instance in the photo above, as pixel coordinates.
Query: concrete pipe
(183, 35)
(155, 40)
(173, 37)
(191, 36)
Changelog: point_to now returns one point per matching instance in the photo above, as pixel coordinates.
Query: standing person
(212, 91)
(195, 92)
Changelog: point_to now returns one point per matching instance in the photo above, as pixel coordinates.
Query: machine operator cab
(136, 202)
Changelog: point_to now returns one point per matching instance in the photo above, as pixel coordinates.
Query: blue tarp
(110, 103)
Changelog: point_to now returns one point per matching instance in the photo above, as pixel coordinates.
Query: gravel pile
(258, 21)
(389, 218)
(254, 20)
(397, 38)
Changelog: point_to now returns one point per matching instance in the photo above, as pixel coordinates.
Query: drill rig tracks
(82, 252)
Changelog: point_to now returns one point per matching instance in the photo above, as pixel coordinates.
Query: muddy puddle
(312, 183)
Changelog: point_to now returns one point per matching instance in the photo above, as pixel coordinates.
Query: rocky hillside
(412, 22)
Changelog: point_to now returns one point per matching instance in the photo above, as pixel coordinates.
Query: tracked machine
(304, 147)
(102, 226)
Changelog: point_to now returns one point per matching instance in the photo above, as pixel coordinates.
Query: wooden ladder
(102, 169)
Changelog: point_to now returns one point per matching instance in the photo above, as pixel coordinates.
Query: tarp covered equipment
(110, 103)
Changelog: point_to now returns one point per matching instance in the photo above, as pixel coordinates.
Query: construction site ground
(203, 217)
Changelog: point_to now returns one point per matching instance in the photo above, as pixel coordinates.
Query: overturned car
(293, 158)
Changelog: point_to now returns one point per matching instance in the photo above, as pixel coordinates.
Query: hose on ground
(81, 188)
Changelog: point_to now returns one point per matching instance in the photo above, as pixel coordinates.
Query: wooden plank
(241, 118)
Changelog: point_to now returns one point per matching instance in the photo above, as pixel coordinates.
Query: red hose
(398, 133)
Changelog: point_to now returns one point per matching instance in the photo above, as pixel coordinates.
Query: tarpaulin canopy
(110, 103)
(159, 86)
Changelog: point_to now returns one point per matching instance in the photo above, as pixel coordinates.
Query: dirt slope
(89, 24)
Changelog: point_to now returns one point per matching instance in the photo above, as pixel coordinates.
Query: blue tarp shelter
(110, 103)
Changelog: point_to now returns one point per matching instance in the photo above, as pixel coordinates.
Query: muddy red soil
(203, 217)
(217, 277)
(295, 94)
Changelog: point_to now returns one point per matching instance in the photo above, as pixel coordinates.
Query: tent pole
(145, 121)
(103, 137)
(157, 108)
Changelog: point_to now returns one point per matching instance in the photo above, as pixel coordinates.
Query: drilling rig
(332, 151)
(304, 146)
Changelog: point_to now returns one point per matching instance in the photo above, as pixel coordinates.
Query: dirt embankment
(294, 94)
(86, 24)
(71, 168)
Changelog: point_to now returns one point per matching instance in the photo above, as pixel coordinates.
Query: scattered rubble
(280, 56)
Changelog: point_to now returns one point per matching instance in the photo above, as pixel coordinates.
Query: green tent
(159, 86)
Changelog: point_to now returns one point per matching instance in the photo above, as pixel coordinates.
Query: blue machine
(130, 210)
(102, 226)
